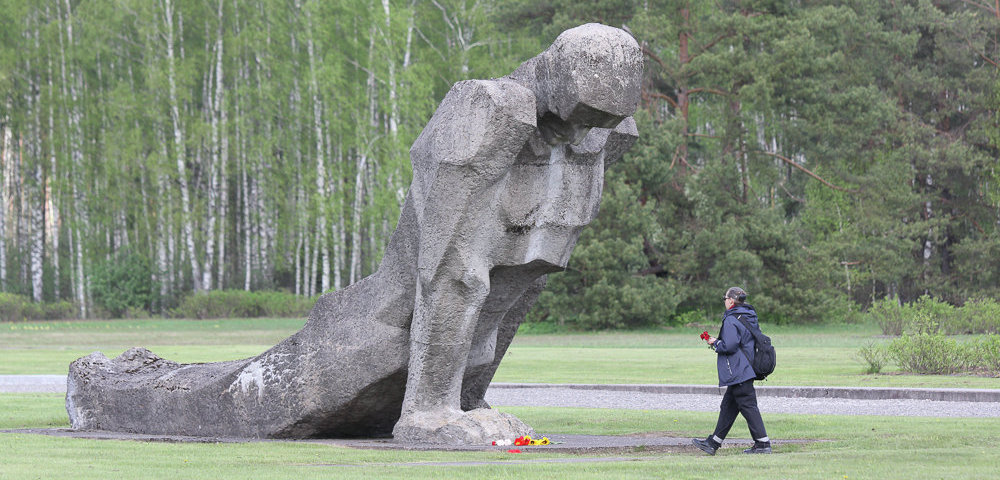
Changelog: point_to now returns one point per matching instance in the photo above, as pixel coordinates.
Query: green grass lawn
(807, 355)
(845, 448)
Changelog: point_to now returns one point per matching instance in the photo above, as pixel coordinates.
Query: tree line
(246, 145)
(821, 154)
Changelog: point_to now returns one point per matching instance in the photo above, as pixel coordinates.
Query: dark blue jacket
(735, 346)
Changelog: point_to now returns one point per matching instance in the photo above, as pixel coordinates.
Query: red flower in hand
(704, 335)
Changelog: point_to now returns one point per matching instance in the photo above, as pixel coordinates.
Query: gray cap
(736, 293)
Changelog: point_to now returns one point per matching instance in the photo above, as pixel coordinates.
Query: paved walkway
(814, 401)
(703, 398)
(32, 383)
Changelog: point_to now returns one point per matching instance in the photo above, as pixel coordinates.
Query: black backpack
(763, 352)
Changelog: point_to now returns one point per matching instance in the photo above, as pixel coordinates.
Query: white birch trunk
(329, 238)
(361, 168)
(298, 266)
(255, 225)
(179, 146)
(212, 185)
(410, 26)
(172, 233)
(321, 234)
(215, 200)
(242, 223)
(52, 216)
(341, 228)
(309, 282)
(36, 203)
(144, 191)
(267, 233)
(328, 197)
(32, 195)
(357, 206)
(223, 160)
(393, 104)
(247, 241)
(373, 231)
(6, 147)
(301, 264)
(314, 263)
(18, 209)
(75, 137)
(162, 233)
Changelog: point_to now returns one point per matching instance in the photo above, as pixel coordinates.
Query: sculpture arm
(467, 147)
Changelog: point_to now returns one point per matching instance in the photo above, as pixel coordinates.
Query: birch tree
(180, 146)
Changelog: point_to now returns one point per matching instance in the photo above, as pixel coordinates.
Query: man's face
(548, 197)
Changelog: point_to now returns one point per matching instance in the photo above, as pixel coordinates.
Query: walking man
(735, 349)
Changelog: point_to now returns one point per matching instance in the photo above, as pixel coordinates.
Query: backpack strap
(753, 331)
(754, 335)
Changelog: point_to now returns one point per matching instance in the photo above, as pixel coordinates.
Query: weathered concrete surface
(561, 443)
(505, 176)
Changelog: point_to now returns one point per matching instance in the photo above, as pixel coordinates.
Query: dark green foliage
(609, 283)
(242, 304)
(823, 155)
(124, 282)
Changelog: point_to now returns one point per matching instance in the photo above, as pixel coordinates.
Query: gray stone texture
(505, 175)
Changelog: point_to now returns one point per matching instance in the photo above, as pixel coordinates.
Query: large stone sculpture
(505, 175)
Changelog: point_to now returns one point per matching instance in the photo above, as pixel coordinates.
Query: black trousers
(740, 399)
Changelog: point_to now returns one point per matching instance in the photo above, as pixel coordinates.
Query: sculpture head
(589, 77)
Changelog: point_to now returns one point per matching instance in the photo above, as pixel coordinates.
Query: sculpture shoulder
(478, 120)
(497, 98)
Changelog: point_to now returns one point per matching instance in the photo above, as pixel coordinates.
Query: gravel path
(32, 383)
(638, 397)
(569, 397)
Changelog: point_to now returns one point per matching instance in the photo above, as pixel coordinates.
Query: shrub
(931, 316)
(987, 354)
(928, 354)
(927, 315)
(242, 304)
(12, 306)
(693, 317)
(889, 315)
(17, 308)
(122, 283)
(60, 310)
(875, 356)
(281, 304)
(977, 316)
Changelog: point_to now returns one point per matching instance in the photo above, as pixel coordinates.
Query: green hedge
(933, 316)
(936, 354)
(242, 304)
(19, 308)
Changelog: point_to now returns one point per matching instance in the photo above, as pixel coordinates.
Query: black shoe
(759, 447)
(707, 445)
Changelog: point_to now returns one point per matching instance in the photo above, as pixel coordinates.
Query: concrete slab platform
(572, 444)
